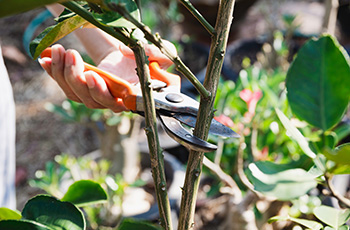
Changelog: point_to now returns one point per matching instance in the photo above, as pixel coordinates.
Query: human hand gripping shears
(173, 108)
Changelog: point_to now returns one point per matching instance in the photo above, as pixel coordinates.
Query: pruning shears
(173, 108)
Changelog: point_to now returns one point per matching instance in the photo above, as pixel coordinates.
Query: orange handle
(118, 87)
(163, 75)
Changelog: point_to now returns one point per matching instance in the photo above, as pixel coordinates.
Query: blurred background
(58, 141)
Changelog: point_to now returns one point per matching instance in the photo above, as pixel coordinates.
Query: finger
(75, 78)
(100, 93)
(54, 67)
(46, 64)
(153, 53)
(57, 62)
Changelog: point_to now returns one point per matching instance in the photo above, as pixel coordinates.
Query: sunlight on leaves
(332, 216)
(280, 181)
(317, 82)
(54, 33)
(306, 223)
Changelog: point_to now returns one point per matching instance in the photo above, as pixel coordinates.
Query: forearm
(89, 36)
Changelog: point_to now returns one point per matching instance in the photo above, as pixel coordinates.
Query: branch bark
(205, 113)
(198, 16)
(156, 152)
(157, 41)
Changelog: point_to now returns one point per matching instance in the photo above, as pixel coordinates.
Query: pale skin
(66, 67)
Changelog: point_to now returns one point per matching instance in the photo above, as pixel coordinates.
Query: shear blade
(216, 128)
(175, 130)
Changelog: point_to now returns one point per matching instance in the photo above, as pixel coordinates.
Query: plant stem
(198, 16)
(227, 179)
(330, 18)
(157, 41)
(205, 113)
(156, 152)
(82, 12)
(334, 193)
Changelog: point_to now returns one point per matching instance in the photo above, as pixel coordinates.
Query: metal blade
(175, 130)
(216, 127)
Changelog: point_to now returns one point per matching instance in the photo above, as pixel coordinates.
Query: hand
(66, 68)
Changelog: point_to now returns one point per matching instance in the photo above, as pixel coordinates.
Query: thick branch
(205, 113)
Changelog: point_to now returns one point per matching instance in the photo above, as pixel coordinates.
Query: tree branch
(330, 18)
(216, 169)
(156, 153)
(198, 16)
(205, 113)
(82, 12)
(334, 193)
(157, 41)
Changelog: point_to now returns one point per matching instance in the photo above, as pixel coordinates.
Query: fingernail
(90, 81)
(42, 63)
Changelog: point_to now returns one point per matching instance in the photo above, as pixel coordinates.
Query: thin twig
(254, 141)
(157, 41)
(334, 193)
(198, 16)
(240, 166)
(218, 153)
(156, 152)
(330, 18)
(227, 179)
(82, 12)
(240, 169)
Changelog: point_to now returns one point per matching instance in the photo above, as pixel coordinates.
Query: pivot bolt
(174, 97)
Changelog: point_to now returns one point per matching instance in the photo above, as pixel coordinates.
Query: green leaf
(85, 192)
(344, 227)
(280, 181)
(111, 18)
(341, 155)
(317, 82)
(295, 134)
(332, 216)
(128, 224)
(8, 214)
(54, 33)
(306, 223)
(22, 225)
(18, 6)
(340, 169)
(53, 213)
(342, 131)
